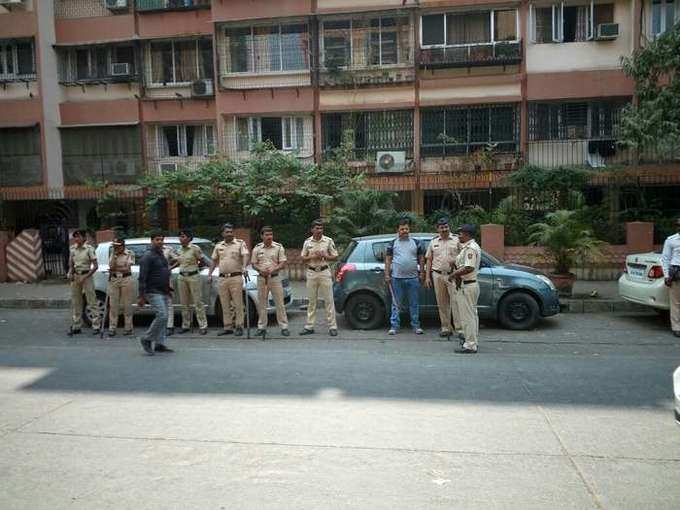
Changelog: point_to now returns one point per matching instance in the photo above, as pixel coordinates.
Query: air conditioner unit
(607, 31)
(392, 161)
(12, 3)
(116, 5)
(168, 167)
(202, 88)
(120, 69)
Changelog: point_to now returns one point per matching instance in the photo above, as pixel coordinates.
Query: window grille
(169, 5)
(20, 160)
(574, 120)
(92, 63)
(179, 61)
(17, 60)
(80, 9)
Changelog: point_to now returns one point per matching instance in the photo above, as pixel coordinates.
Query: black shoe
(169, 331)
(146, 345)
(112, 333)
(96, 332)
(162, 348)
(238, 332)
(183, 331)
(225, 332)
(465, 351)
(285, 332)
(74, 332)
(306, 331)
(444, 334)
(127, 333)
(675, 333)
(333, 332)
(203, 331)
(260, 332)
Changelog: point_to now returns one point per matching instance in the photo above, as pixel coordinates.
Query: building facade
(432, 95)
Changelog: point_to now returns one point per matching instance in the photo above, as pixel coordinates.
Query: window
(664, 16)
(180, 61)
(267, 48)
(96, 63)
(184, 141)
(468, 28)
(284, 133)
(16, 59)
(574, 120)
(567, 23)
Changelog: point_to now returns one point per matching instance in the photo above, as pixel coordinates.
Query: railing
(472, 55)
(356, 76)
(23, 170)
(113, 168)
(18, 78)
(171, 5)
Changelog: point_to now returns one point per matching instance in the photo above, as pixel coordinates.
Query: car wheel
(101, 303)
(518, 310)
(365, 311)
(252, 310)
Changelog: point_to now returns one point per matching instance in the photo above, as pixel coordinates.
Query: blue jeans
(409, 288)
(156, 331)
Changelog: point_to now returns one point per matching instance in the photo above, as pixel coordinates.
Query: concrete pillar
(639, 236)
(493, 240)
(5, 237)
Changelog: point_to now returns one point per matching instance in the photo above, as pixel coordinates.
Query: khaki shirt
(443, 252)
(82, 257)
(121, 263)
(311, 246)
(470, 256)
(232, 257)
(267, 257)
(189, 258)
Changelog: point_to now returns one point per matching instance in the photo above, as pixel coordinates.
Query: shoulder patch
(469, 255)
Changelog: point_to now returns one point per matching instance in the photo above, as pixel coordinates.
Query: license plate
(635, 272)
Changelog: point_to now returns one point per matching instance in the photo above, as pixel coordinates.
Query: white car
(642, 281)
(676, 390)
(139, 246)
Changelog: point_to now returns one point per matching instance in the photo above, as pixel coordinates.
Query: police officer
(190, 259)
(82, 265)
(467, 294)
(170, 255)
(232, 257)
(317, 251)
(121, 287)
(441, 255)
(670, 260)
(268, 259)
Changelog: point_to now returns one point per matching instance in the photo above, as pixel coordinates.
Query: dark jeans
(157, 329)
(408, 288)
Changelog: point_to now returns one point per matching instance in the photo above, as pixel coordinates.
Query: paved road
(576, 414)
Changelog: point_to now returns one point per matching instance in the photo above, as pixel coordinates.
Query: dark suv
(516, 296)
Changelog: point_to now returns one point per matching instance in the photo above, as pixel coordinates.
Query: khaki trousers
(120, 295)
(231, 294)
(320, 286)
(674, 298)
(170, 298)
(80, 286)
(264, 286)
(467, 297)
(444, 291)
(190, 294)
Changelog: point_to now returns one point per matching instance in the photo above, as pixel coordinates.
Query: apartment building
(432, 95)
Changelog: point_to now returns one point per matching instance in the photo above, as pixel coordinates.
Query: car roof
(387, 237)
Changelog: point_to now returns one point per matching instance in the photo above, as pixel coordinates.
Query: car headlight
(547, 281)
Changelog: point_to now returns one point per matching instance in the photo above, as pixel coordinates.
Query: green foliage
(550, 188)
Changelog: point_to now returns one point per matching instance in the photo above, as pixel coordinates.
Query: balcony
(97, 65)
(472, 55)
(143, 6)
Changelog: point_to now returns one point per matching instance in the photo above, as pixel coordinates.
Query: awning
(104, 124)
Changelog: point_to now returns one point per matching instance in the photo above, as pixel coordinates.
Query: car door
(485, 280)
(374, 267)
(139, 249)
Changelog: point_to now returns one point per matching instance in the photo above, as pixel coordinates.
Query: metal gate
(55, 248)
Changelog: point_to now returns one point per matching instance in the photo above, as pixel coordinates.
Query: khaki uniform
(231, 258)
(319, 280)
(267, 257)
(82, 263)
(171, 255)
(443, 253)
(120, 288)
(470, 256)
(190, 285)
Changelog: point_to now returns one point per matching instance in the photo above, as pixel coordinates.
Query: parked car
(516, 296)
(642, 281)
(210, 295)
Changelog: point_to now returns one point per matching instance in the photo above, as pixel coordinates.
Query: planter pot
(563, 282)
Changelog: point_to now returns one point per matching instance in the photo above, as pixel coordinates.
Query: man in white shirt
(670, 260)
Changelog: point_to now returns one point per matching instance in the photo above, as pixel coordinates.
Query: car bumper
(339, 298)
(653, 293)
(551, 303)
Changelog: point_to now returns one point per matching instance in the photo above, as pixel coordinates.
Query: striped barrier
(24, 257)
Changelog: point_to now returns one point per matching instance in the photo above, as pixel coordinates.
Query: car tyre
(365, 311)
(101, 303)
(518, 311)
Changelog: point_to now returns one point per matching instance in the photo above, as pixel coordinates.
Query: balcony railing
(170, 5)
(20, 170)
(358, 76)
(472, 55)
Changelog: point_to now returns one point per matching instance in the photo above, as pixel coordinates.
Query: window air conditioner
(116, 5)
(607, 31)
(120, 69)
(202, 88)
(393, 161)
(12, 3)
(168, 167)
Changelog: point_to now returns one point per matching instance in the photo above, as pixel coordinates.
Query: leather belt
(317, 269)
(229, 275)
(190, 273)
(119, 275)
(83, 272)
(441, 272)
(465, 282)
(273, 274)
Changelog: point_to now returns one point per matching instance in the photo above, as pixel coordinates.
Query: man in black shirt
(154, 289)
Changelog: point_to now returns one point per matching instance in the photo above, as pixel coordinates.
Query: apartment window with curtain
(183, 141)
(97, 63)
(564, 23)
(665, 14)
(284, 133)
(17, 59)
(180, 62)
(267, 48)
(468, 28)
(575, 120)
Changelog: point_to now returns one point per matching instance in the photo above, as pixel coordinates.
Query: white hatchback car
(139, 246)
(642, 281)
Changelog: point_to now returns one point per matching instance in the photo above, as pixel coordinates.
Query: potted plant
(565, 241)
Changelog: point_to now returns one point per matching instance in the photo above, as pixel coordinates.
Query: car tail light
(655, 272)
(346, 268)
(625, 268)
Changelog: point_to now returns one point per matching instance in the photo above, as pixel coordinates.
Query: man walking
(154, 288)
(82, 265)
(467, 293)
(670, 260)
(317, 251)
(404, 272)
(268, 260)
(190, 259)
(441, 255)
(232, 257)
(120, 286)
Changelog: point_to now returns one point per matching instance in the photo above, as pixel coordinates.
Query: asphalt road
(576, 414)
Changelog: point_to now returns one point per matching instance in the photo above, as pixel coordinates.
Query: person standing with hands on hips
(121, 286)
(467, 288)
(670, 261)
(190, 260)
(268, 259)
